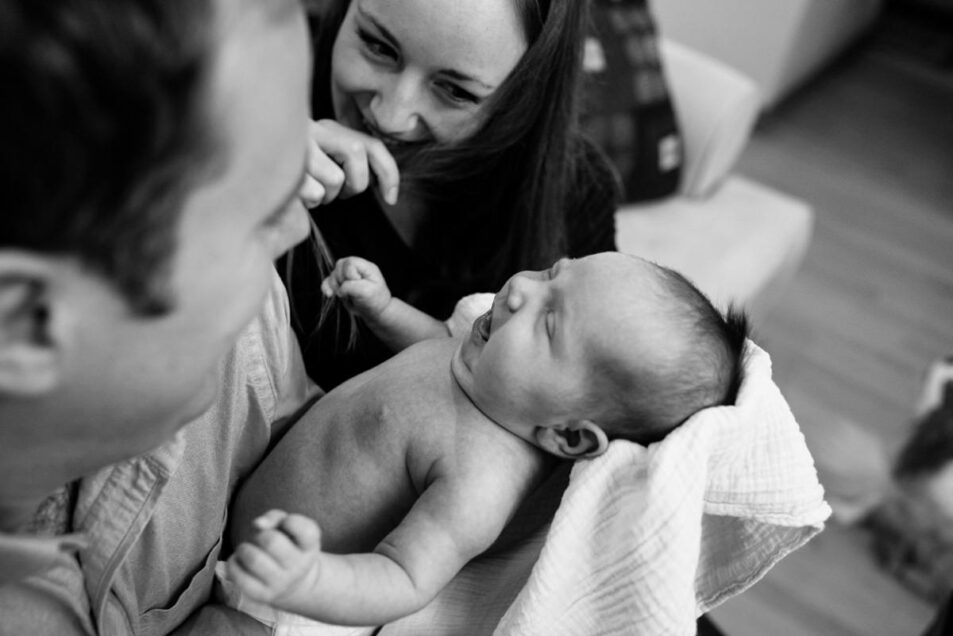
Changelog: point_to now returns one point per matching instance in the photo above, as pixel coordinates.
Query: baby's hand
(360, 285)
(283, 557)
(341, 162)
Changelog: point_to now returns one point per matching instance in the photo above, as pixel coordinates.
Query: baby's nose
(520, 291)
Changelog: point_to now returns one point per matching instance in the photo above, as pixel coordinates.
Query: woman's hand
(342, 163)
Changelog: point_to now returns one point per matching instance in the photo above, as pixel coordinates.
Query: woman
(448, 152)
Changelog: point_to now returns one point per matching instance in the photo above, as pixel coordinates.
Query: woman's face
(422, 70)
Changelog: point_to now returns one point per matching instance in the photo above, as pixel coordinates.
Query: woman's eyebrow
(463, 77)
(387, 35)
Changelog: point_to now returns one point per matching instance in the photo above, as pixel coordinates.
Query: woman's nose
(396, 109)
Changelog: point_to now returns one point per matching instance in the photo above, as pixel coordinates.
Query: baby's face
(531, 360)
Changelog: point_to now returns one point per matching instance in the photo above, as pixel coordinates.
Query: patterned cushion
(627, 107)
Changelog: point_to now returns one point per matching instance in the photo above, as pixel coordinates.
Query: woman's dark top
(359, 227)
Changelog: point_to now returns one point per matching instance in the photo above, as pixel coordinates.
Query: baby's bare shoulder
(478, 487)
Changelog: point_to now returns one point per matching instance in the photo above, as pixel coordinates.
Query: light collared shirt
(153, 525)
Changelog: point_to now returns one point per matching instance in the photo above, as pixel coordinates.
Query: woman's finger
(361, 157)
(325, 171)
(345, 149)
(385, 170)
(353, 159)
(312, 192)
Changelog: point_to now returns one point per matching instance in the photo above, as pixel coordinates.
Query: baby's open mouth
(483, 324)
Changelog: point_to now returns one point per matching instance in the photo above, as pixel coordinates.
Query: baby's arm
(446, 528)
(360, 285)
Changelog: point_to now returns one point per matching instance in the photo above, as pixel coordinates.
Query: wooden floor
(870, 145)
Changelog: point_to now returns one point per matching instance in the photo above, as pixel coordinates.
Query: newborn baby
(385, 489)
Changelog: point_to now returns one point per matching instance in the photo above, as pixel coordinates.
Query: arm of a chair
(716, 107)
(740, 245)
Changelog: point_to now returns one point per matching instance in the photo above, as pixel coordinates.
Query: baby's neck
(466, 399)
(429, 361)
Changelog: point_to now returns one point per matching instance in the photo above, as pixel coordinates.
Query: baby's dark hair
(703, 367)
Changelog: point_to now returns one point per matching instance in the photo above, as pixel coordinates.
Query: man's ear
(581, 439)
(29, 360)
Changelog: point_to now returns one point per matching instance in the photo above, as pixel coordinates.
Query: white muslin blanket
(646, 539)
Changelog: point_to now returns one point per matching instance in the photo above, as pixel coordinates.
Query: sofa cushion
(740, 245)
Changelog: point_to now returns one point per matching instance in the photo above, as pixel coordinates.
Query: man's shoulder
(267, 335)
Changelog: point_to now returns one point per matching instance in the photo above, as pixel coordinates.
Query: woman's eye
(456, 94)
(376, 47)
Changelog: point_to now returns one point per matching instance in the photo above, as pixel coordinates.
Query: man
(151, 153)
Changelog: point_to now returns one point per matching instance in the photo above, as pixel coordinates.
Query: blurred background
(865, 137)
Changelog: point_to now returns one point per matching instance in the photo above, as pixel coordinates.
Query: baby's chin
(462, 371)
(459, 369)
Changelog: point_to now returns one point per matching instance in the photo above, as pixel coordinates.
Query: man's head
(151, 159)
(607, 346)
(105, 131)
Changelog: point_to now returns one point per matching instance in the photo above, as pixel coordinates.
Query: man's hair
(104, 132)
(700, 365)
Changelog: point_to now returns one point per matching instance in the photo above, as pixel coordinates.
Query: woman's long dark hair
(497, 200)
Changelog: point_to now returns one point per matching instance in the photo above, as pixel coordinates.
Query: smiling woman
(447, 150)
(403, 83)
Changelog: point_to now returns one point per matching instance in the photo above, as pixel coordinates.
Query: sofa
(777, 44)
(738, 240)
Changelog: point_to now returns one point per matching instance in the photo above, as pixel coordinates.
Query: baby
(406, 472)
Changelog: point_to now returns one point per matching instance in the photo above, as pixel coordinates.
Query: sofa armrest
(716, 107)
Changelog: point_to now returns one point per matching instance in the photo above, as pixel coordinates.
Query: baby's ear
(581, 439)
